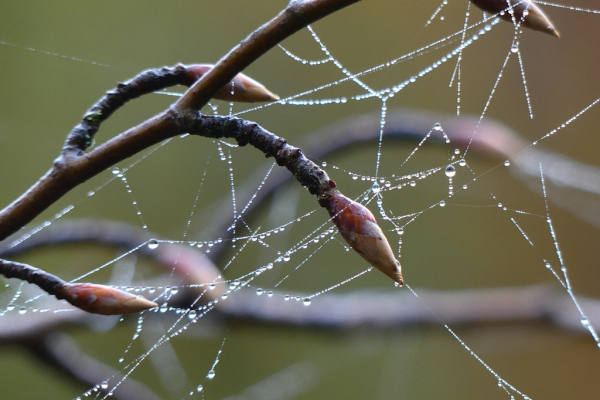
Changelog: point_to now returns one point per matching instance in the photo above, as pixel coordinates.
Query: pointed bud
(359, 227)
(100, 299)
(242, 88)
(524, 10)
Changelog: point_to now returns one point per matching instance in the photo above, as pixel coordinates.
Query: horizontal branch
(381, 309)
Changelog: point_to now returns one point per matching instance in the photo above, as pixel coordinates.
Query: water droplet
(163, 308)
(91, 193)
(375, 188)
(548, 265)
(450, 171)
(506, 163)
(115, 171)
(307, 301)
(413, 183)
(199, 388)
(514, 48)
(192, 314)
(211, 374)
(286, 257)
(104, 385)
(152, 244)
(259, 291)
(355, 177)
(212, 286)
(224, 296)
(324, 164)
(442, 203)
(585, 322)
(270, 294)
(22, 310)
(462, 162)
(286, 297)
(10, 307)
(437, 126)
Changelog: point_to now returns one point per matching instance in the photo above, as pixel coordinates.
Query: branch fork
(77, 163)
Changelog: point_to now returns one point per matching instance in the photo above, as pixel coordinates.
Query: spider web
(450, 188)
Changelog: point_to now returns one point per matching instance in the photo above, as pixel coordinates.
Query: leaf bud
(105, 300)
(524, 11)
(360, 229)
(242, 88)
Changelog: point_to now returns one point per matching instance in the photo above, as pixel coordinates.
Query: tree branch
(297, 15)
(69, 170)
(396, 308)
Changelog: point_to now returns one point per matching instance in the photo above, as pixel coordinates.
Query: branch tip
(523, 12)
(105, 300)
(359, 228)
(241, 88)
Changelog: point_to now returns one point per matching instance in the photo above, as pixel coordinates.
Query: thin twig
(488, 138)
(306, 172)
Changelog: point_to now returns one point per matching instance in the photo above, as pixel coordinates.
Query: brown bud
(524, 10)
(242, 88)
(100, 299)
(359, 228)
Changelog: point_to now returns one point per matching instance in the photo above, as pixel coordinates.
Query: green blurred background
(457, 247)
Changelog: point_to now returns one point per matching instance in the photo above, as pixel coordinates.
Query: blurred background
(470, 243)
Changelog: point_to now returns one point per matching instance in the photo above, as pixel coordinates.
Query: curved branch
(70, 170)
(493, 140)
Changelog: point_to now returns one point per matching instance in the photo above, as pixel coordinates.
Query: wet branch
(74, 165)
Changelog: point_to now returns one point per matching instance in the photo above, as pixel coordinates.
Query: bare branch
(297, 15)
(70, 170)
